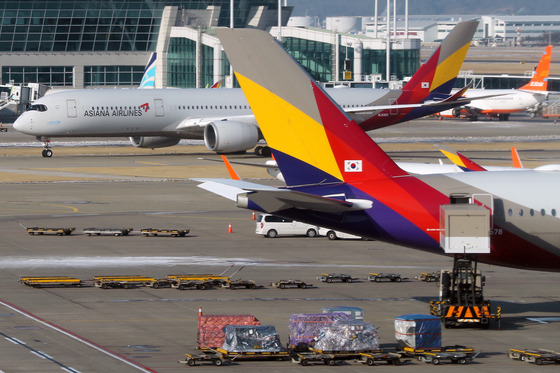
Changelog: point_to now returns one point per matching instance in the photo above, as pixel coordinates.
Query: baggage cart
(57, 231)
(428, 277)
(50, 281)
(330, 277)
(215, 358)
(107, 231)
(453, 354)
(124, 282)
(164, 232)
(378, 277)
(535, 356)
(283, 284)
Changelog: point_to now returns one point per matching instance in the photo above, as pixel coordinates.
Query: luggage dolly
(439, 357)
(213, 358)
(390, 358)
(536, 356)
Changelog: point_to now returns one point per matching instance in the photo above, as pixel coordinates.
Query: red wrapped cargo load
(211, 328)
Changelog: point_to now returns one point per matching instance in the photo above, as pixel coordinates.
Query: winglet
(515, 158)
(539, 82)
(230, 169)
(460, 160)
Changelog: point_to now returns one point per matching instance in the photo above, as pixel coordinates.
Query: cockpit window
(37, 107)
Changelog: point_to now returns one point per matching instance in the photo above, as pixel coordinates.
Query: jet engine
(230, 136)
(153, 142)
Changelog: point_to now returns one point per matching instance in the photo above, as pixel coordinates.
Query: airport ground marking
(76, 337)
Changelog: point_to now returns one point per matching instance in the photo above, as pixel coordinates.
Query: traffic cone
(253, 217)
(229, 229)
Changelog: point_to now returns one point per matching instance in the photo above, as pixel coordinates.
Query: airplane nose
(22, 124)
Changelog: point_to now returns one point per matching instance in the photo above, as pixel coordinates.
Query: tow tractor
(536, 356)
(378, 277)
(330, 277)
(428, 277)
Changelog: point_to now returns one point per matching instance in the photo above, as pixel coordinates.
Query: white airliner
(507, 101)
(154, 118)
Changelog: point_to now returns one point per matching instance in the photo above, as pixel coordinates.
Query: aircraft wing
(271, 199)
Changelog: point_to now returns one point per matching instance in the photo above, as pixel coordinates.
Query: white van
(272, 226)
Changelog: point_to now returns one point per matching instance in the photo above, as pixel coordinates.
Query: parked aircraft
(507, 101)
(338, 177)
(156, 118)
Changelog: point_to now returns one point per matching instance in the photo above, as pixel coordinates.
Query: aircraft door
(72, 109)
(159, 107)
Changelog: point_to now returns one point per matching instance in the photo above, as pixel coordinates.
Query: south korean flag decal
(353, 166)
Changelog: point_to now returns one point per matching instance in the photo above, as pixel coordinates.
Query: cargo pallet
(330, 277)
(282, 284)
(164, 232)
(38, 282)
(107, 231)
(378, 277)
(536, 356)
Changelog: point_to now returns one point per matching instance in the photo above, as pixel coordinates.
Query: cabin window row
(532, 212)
(212, 107)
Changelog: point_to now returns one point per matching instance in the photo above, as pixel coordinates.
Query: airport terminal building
(101, 43)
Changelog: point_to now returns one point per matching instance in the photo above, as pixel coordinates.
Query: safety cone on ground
(229, 229)
(253, 217)
(199, 311)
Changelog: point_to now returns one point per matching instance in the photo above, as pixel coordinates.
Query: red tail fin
(540, 78)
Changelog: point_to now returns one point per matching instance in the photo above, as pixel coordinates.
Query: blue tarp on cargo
(418, 331)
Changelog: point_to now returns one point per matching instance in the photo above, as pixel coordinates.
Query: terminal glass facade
(113, 75)
(403, 62)
(49, 75)
(314, 56)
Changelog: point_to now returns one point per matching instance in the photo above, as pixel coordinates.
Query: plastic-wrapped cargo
(211, 328)
(355, 312)
(348, 335)
(245, 338)
(305, 327)
(418, 331)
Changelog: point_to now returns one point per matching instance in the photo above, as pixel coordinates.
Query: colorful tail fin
(149, 77)
(539, 82)
(460, 160)
(437, 76)
(515, 158)
(313, 140)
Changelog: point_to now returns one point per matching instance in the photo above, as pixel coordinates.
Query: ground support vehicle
(57, 231)
(107, 231)
(453, 354)
(461, 296)
(536, 356)
(124, 282)
(282, 284)
(215, 358)
(392, 358)
(252, 355)
(164, 232)
(378, 277)
(428, 277)
(49, 281)
(330, 277)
